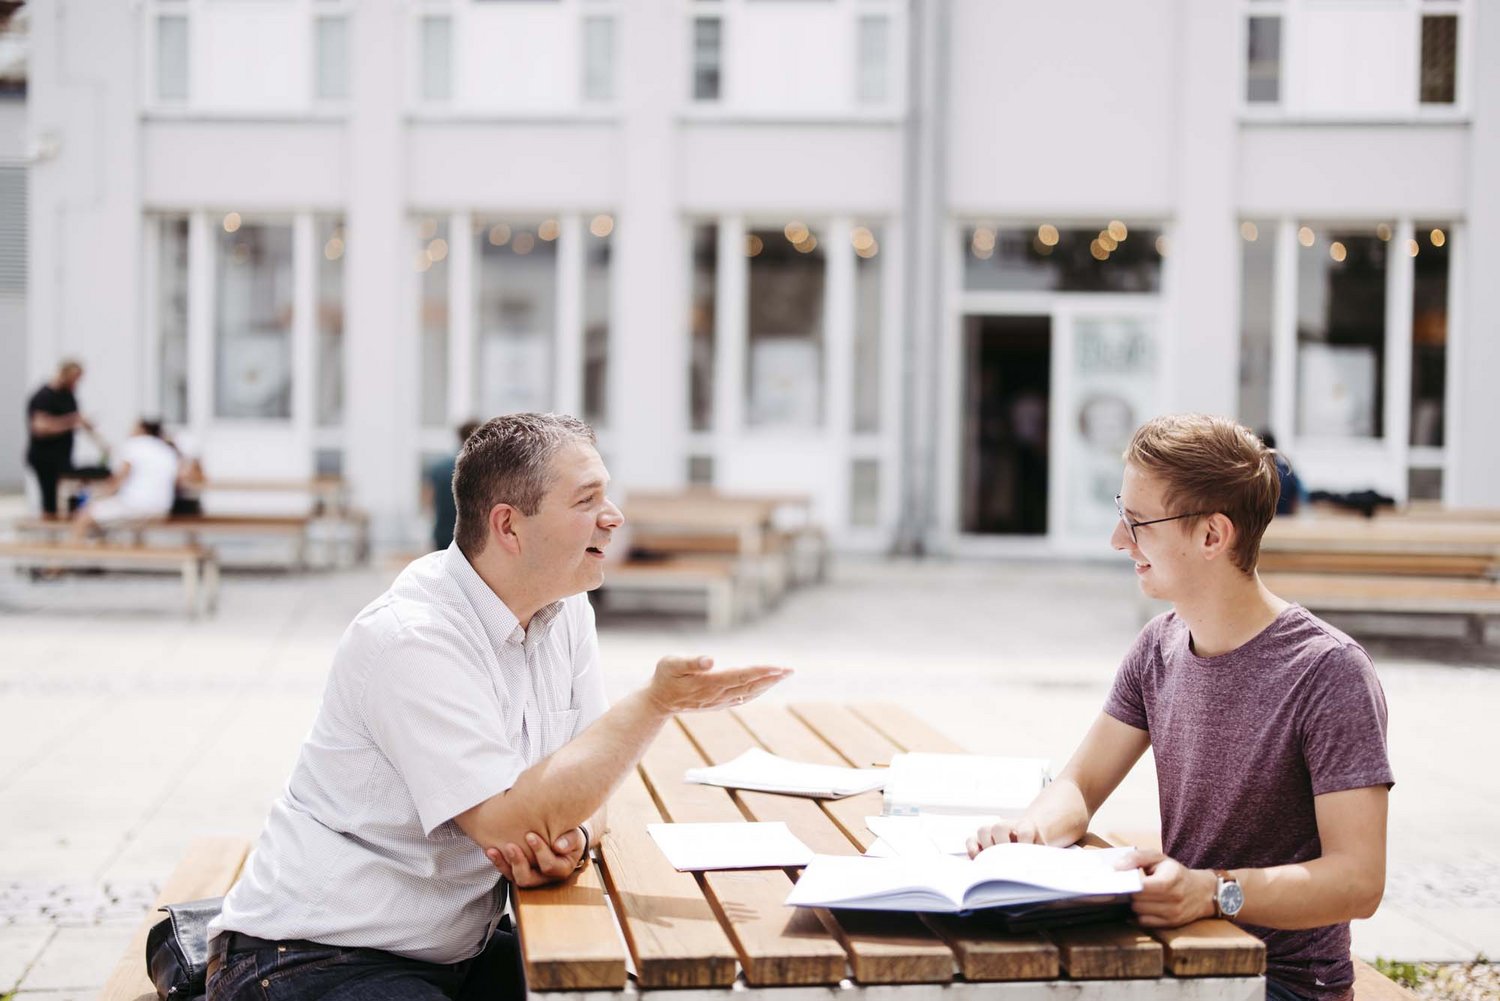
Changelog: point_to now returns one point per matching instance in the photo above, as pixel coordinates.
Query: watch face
(1231, 898)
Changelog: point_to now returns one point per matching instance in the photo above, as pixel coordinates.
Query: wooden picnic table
(631, 923)
(749, 521)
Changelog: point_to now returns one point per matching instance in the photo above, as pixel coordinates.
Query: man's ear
(502, 526)
(1217, 534)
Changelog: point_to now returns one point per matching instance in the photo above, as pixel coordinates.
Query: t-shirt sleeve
(430, 708)
(1343, 724)
(1127, 698)
(588, 677)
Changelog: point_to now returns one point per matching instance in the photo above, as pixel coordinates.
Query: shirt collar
(500, 623)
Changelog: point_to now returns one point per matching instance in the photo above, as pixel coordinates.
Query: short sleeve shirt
(52, 449)
(1243, 742)
(436, 701)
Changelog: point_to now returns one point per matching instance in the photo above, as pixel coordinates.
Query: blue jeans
(1277, 991)
(308, 971)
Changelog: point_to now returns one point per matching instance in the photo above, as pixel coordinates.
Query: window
(1257, 278)
(700, 470)
(874, 57)
(1439, 58)
(516, 285)
(253, 328)
(786, 292)
(1429, 333)
(331, 72)
(172, 318)
(432, 265)
(598, 58)
(1114, 258)
(172, 58)
(864, 493)
(332, 243)
(437, 58)
(596, 299)
(1341, 308)
(868, 293)
(707, 46)
(701, 324)
(1263, 61)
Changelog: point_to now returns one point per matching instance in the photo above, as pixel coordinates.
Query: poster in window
(1114, 380)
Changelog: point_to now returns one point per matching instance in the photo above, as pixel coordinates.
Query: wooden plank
(987, 954)
(1108, 952)
(670, 928)
(1211, 948)
(857, 741)
(776, 944)
(905, 730)
(1388, 594)
(1412, 564)
(883, 948)
(209, 869)
(567, 932)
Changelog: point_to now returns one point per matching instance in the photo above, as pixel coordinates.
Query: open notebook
(1001, 875)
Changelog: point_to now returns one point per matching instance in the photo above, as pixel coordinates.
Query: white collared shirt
(436, 701)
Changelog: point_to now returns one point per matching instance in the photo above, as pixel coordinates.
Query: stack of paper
(762, 771)
(927, 834)
(1000, 875)
(962, 784)
(695, 847)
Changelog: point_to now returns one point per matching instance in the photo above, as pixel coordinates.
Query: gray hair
(508, 460)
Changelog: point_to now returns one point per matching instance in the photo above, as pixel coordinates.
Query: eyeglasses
(1131, 526)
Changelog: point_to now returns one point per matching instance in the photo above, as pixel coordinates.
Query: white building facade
(925, 262)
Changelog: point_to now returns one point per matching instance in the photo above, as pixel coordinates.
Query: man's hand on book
(1171, 894)
(1022, 831)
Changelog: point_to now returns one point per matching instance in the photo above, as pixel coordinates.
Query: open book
(1000, 875)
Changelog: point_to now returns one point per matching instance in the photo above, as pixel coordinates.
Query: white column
(731, 334)
(838, 361)
(462, 303)
(305, 255)
(1399, 280)
(648, 362)
(151, 317)
(201, 293)
(1284, 335)
(1205, 246)
(567, 359)
(381, 343)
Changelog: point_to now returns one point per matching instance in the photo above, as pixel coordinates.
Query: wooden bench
(1478, 601)
(197, 564)
(724, 590)
(294, 528)
(209, 869)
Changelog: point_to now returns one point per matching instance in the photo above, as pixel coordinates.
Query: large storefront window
(172, 318)
(1341, 309)
(868, 308)
(596, 299)
(1114, 258)
(253, 328)
(516, 313)
(1429, 333)
(432, 265)
(1257, 309)
(786, 290)
(332, 244)
(701, 323)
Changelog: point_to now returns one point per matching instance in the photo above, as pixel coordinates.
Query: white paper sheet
(696, 847)
(762, 771)
(921, 783)
(928, 834)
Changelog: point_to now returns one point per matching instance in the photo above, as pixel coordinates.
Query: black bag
(177, 950)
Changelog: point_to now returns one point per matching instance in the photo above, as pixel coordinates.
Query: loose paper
(762, 771)
(698, 847)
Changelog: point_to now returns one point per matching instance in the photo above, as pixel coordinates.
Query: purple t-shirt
(1243, 742)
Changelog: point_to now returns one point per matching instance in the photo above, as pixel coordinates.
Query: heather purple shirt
(1243, 742)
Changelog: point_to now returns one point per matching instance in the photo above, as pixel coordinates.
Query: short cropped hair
(1214, 466)
(508, 460)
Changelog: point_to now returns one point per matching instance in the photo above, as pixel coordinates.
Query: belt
(238, 941)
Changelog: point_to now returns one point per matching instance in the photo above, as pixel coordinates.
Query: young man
(1268, 726)
(464, 729)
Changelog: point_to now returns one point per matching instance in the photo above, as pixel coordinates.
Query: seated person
(464, 729)
(1268, 726)
(141, 487)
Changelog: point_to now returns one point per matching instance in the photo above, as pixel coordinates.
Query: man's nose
(1120, 537)
(612, 517)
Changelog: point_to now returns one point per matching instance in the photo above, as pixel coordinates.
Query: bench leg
(721, 605)
(190, 584)
(211, 584)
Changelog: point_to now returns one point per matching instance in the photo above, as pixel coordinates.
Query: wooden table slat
(883, 948)
(986, 954)
(672, 933)
(1108, 952)
(1211, 948)
(568, 935)
(776, 944)
(905, 730)
(860, 744)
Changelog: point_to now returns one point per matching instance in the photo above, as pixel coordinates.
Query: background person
(142, 487)
(51, 418)
(437, 491)
(1267, 725)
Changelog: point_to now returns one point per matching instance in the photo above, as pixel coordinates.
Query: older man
(464, 715)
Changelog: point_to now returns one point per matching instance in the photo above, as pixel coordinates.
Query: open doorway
(1007, 387)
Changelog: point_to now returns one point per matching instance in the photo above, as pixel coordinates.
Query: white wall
(802, 168)
(12, 313)
(245, 166)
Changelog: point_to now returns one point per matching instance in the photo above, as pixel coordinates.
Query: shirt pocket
(554, 729)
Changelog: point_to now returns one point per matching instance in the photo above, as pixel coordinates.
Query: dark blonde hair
(1214, 466)
(508, 460)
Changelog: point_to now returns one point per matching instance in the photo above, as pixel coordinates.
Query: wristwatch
(583, 857)
(1229, 896)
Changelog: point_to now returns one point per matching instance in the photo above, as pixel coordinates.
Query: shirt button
(265, 983)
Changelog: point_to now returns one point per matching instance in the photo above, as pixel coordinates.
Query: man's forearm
(1059, 813)
(571, 785)
(1323, 891)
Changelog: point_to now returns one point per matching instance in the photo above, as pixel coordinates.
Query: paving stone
(20, 945)
(1394, 934)
(79, 958)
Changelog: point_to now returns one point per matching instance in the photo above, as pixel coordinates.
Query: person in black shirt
(51, 418)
